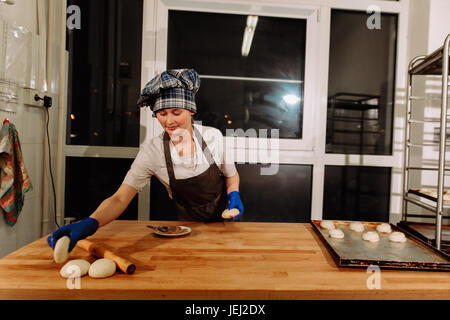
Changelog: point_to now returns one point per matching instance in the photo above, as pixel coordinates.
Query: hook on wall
(7, 111)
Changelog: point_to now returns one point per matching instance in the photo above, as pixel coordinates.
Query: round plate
(174, 231)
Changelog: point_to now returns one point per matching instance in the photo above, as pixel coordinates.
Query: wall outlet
(28, 98)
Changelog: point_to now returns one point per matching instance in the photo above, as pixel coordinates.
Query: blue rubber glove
(75, 232)
(234, 202)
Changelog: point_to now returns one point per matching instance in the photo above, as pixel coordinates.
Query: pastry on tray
(433, 193)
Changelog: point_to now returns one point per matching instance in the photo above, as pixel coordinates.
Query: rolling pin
(101, 252)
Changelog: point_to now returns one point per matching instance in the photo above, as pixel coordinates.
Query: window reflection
(226, 104)
(251, 68)
(361, 84)
(89, 181)
(105, 73)
(357, 193)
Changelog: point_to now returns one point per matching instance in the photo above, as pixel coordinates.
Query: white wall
(30, 123)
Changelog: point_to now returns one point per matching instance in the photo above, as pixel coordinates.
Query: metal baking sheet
(352, 251)
(426, 195)
(427, 232)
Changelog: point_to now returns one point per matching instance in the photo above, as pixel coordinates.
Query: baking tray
(426, 195)
(352, 251)
(431, 65)
(427, 232)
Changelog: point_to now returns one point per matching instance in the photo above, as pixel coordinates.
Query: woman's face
(174, 118)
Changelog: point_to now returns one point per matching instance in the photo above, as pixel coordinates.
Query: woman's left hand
(234, 202)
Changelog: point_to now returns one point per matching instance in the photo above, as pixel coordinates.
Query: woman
(188, 159)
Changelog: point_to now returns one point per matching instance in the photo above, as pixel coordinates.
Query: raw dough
(70, 268)
(228, 214)
(357, 226)
(102, 268)
(327, 224)
(384, 227)
(61, 251)
(336, 233)
(371, 236)
(397, 237)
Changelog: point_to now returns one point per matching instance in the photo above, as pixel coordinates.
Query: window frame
(309, 13)
(311, 149)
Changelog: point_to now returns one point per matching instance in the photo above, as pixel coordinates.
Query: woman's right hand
(76, 231)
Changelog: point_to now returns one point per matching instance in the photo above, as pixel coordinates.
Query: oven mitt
(76, 231)
(234, 202)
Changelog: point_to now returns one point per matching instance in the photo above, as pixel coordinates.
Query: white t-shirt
(150, 160)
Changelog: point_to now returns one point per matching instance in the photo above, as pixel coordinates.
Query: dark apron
(200, 198)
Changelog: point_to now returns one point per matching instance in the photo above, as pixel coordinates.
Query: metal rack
(357, 103)
(436, 63)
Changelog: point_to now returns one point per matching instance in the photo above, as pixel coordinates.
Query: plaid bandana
(171, 89)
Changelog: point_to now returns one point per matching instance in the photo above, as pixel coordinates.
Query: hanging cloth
(15, 181)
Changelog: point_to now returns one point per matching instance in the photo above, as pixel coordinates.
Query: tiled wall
(30, 122)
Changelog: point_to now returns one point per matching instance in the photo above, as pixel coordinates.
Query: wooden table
(216, 261)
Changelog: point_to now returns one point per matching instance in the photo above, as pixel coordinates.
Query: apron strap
(205, 148)
(168, 157)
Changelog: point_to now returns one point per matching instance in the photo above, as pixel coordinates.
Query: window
(240, 92)
(357, 193)
(361, 84)
(89, 181)
(282, 197)
(103, 120)
(260, 87)
(105, 73)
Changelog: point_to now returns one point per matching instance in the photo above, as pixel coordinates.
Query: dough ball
(336, 233)
(397, 237)
(102, 268)
(327, 224)
(61, 250)
(371, 236)
(228, 214)
(384, 227)
(75, 268)
(357, 226)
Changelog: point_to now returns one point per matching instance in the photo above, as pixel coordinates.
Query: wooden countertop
(216, 261)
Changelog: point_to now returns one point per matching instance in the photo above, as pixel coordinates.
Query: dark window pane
(361, 84)
(263, 90)
(283, 197)
(357, 193)
(89, 181)
(231, 104)
(211, 43)
(161, 206)
(105, 73)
